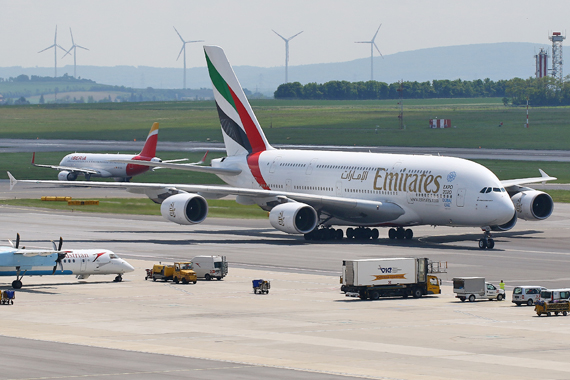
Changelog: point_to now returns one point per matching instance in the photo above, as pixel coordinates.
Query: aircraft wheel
(490, 243)
(409, 234)
(392, 233)
(400, 233)
(482, 244)
(350, 233)
(87, 176)
(339, 234)
(375, 234)
(308, 236)
(17, 284)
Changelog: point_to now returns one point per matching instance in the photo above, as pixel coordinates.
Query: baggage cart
(261, 286)
(548, 308)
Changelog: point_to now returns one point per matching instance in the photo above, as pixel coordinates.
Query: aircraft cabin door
(312, 164)
(288, 185)
(460, 197)
(83, 266)
(338, 188)
(274, 164)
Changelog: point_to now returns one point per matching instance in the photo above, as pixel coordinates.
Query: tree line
(545, 91)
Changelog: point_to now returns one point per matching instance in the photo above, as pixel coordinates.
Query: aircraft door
(338, 188)
(288, 185)
(460, 197)
(274, 164)
(312, 164)
(83, 266)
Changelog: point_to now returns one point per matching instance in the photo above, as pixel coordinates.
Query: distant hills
(479, 61)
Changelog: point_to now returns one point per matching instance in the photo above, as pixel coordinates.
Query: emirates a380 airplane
(308, 192)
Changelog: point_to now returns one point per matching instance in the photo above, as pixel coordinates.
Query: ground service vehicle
(473, 288)
(548, 308)
(555, 295)
(375, 278)
(178, 272)
(209, 267)
(526, 294)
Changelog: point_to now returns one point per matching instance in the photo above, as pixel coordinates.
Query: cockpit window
(496, 190)
(112, 256)
(483, 190)
(489, 189)
(503, 190)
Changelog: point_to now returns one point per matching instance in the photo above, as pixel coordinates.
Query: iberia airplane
(308, 192)
(106, 165)
(21, 261)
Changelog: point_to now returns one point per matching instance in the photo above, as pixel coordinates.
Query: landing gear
(486, 242)
(87, 176)
(362, 233)
(400, 233)
(17, 283)
(326, 233)
(119, 278)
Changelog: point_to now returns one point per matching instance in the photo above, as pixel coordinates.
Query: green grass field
(367, 123)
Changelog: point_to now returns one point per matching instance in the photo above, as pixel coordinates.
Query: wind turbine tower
(74, 47)
(287, 52)
(54, 46)
(184, 50)
(372, 46)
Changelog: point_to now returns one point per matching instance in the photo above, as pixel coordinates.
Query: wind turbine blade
(181, 50)
(81, 47)
(55, 38)
(290, 38)
(362, 42)
(378, 50)
(375, 34)
(191, 42)
(284, 39)
(46, 48)
(72, 42)
(182, 39)
(69, 51)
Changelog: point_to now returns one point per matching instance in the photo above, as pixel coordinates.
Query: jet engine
(293, 218)
(64, 175)
(533, 205)
(184, 209)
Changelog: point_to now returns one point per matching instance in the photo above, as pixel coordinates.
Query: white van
(526, 294)
(208, 267)
(555, 295)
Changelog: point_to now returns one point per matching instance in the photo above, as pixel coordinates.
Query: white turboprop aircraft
(106, 165)
(20, 262)
(305, 189)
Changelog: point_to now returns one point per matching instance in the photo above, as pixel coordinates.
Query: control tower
(557, 38)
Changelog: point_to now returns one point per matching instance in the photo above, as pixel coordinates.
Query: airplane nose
(127, 267)
(504, 210)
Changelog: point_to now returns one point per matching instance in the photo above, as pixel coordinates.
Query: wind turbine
(372, 46)
(287, 53)
(54, 46)
(74, 47)
(184, 50)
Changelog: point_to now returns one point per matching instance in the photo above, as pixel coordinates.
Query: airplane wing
(345, 208)
(511, 183)
(190, 167)
(180, 160)
(68, 168)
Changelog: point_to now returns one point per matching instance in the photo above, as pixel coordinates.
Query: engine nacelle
(533, 205)
(293, 218)
(184, 209)
(64, 175)
(507, 226)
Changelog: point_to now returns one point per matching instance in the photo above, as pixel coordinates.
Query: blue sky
(140, 32)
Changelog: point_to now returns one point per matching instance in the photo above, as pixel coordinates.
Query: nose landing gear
(486, 242)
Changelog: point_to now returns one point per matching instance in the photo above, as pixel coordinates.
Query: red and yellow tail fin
(149, 148)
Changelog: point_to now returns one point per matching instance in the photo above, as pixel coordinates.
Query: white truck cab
(472, 288)
(209, 267)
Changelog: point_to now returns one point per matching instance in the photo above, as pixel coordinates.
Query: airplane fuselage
(432, 190)
(104, 164)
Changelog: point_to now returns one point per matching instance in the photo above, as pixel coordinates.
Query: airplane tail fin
(241, 130)
(149, 148)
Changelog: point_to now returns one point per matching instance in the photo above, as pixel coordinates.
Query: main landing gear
(486, 242)
(326, 233)
(400, 233)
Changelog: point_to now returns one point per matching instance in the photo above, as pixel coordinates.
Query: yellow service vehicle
(548, 308)
(178, 272)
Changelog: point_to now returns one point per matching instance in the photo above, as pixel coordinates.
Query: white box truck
(208, 267)
(375, 278)
(472, 288)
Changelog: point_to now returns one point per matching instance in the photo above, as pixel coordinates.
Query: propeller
(17, 241)
(60, 255)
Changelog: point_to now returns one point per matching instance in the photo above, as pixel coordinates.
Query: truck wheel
(564, 313)
(471, 298)
(184, 281)
(374, 295)
(529, 302)
(362, 295)
(194, 282)
(154, 279)
(218, 278)
(207, 277)
(417, 293)
(499, 297)
(548, 314)
(176, 280)
(462, 299)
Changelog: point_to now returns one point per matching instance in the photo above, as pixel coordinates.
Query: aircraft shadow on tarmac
(269, 237)
(45, 288)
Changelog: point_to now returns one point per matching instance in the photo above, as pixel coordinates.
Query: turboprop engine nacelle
(184, 209)
(533, 205)
(293, 218)
(64, 175)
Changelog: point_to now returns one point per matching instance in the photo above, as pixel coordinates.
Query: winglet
(545, 176)
(33, 157)
(204, 158)
(13, 181)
